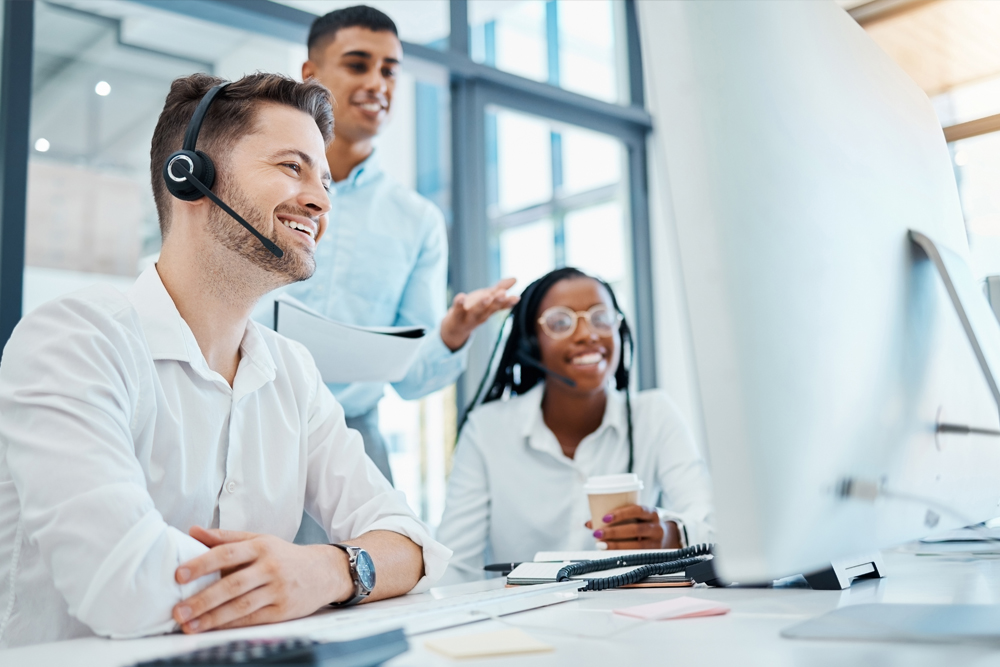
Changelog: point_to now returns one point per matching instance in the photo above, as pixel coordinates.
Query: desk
(748, 635)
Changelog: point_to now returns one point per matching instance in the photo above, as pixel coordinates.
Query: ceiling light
(961, 158)
(41, 145)
(102, 88)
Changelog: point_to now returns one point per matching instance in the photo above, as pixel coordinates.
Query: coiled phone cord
(652, 564)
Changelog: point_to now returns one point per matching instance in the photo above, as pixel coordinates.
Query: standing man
(385, 261)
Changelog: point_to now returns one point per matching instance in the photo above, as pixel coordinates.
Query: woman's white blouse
(512, 491)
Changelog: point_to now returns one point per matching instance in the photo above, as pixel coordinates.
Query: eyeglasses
(560, 322)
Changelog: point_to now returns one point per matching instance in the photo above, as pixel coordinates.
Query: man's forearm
(399, 563)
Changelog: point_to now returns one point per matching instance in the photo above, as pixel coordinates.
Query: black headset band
(194, 127)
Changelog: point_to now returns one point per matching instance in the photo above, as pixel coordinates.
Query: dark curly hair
(520, 368)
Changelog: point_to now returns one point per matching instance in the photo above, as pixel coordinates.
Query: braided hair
(518, 370)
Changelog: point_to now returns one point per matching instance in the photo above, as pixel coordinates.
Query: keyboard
(364, 652)
(420, 616)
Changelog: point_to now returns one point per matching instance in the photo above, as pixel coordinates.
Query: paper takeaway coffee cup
(607, 493)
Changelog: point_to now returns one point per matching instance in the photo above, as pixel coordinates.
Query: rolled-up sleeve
(70, 395)
(347, 494)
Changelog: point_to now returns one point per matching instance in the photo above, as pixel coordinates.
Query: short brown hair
(233, 115)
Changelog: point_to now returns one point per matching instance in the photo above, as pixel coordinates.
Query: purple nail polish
(608, 518)
(598, 534)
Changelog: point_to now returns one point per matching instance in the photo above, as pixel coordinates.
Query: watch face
(366, 570)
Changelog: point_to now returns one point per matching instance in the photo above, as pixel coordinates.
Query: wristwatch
(362, 572)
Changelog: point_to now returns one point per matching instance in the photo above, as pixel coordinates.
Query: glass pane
(424, 22)
(524, 161)
(527, 252)
(587, 49)
(595, 241)
(511, 36)
(977, 167)
(575, 44)
(589, 160)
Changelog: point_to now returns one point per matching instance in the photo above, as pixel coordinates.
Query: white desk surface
(748, 635)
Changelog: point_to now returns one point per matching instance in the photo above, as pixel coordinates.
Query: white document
(345, 352)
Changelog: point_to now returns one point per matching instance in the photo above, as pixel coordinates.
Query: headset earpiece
(200, 166)
(189, 174)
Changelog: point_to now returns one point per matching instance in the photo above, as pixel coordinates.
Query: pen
(500, 567)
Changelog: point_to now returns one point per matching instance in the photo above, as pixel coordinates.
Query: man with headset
(157, 448)
(386, 259)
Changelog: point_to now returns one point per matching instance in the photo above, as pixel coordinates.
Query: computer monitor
(797, 158)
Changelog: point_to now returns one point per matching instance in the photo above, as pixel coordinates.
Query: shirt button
(231, 487)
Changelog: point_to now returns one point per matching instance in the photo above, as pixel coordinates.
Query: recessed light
(103, 88)
(41, 145)
(961, 158)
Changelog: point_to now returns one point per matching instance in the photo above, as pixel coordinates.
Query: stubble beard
(272, 272)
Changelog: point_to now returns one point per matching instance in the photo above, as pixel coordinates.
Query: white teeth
(291, 224)
(371, 106)
(585, 359)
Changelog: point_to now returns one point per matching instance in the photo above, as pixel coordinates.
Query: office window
(419, 21)
(564, 202)
(977, 171)
(573, 44)
(101, 73)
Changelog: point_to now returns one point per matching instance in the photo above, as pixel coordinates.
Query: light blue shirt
(384, 262)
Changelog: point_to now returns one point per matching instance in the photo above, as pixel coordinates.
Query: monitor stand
(837, 577)
(842, 573)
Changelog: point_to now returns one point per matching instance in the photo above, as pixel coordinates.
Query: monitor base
(837, 577)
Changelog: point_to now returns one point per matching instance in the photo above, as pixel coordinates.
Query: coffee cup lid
(613, 483)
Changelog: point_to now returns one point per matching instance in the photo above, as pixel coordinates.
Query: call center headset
(190, 174)
(528, 352)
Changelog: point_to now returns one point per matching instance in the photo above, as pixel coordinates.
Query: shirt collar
(534, 424)
(170, 337)
(367, 171)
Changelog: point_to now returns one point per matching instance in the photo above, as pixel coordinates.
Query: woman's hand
(637, 527)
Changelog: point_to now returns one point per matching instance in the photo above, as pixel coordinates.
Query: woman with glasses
(558, 411)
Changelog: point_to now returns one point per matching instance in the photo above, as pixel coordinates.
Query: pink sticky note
(682, 607)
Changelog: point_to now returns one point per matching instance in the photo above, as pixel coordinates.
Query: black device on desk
(649, 564)
(365, 652)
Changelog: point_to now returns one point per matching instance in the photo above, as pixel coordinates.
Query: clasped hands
(637, 527)
(264, 579)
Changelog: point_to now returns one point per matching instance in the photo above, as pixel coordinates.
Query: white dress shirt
(512, 491)
(116, 437)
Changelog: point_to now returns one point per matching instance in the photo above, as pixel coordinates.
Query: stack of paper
(346, 353)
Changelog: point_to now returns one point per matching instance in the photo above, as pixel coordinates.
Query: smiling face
(276, 178)
(584, 356)
(359, 66)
